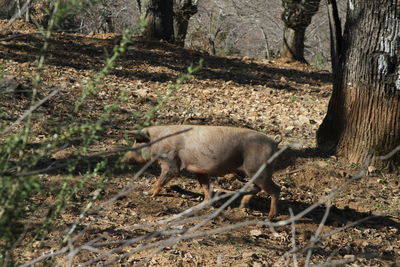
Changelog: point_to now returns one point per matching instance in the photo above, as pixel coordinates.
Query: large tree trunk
(363, 118)
(7, 8)
(297, 16)
(158, 20)
(183, 10)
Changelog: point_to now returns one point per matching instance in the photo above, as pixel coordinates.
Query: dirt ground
(266, 95)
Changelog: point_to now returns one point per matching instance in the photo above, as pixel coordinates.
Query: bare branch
(390, 154)
(334, 263)
(174, 236)
(46, 256)
(53, 165)
(314, 239)
(294, 247)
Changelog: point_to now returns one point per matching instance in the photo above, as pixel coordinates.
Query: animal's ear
(142, 136)
(278, 138)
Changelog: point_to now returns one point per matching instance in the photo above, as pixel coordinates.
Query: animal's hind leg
(205, 185)
(248, 195)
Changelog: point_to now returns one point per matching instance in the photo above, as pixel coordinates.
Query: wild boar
(211, 150)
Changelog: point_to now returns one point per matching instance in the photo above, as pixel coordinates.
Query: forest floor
(266, 95)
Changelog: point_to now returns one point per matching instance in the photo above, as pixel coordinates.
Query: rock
(343, 174)
(249, 254)
(349, 257)
(303, 119)
(142, 92)
(258, 264)
(336, 236)
(255, 232)
(372, 170)
(322, 164)
(289, 128)
(17, 86)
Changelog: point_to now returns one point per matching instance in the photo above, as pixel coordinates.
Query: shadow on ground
(79, 52)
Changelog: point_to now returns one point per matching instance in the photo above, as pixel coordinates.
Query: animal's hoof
(150, 193)
(154, 191)
(247, 211)
(243, 206)
(205, 199)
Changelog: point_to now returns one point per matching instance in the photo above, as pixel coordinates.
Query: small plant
(289, 182)
(321, 62)
(2, 73)
(18, 171)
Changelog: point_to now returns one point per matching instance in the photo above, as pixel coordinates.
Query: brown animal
(205, 150)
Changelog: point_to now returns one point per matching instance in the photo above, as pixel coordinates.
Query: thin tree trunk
(293, 45)
(267, 47)
(336, 37)
(183, 11)
(297, 16)
(363, 118)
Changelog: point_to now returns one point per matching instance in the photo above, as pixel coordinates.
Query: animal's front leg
(164, 178)
(273, 190)
(169, 169)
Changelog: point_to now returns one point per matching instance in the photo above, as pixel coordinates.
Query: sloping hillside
(268, 96)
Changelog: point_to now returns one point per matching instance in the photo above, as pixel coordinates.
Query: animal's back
(209, 149)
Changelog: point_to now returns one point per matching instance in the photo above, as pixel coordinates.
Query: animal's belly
(211, 169)
(205, 159)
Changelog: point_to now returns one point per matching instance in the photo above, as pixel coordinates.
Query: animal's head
(140, 155)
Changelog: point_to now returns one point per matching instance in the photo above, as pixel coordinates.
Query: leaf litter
(266, 95)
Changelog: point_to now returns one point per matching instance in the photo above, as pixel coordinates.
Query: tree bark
(183, 11)
(158, 20)
(336, 38)
(363, 118)
(293, 45)
(297, 16)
